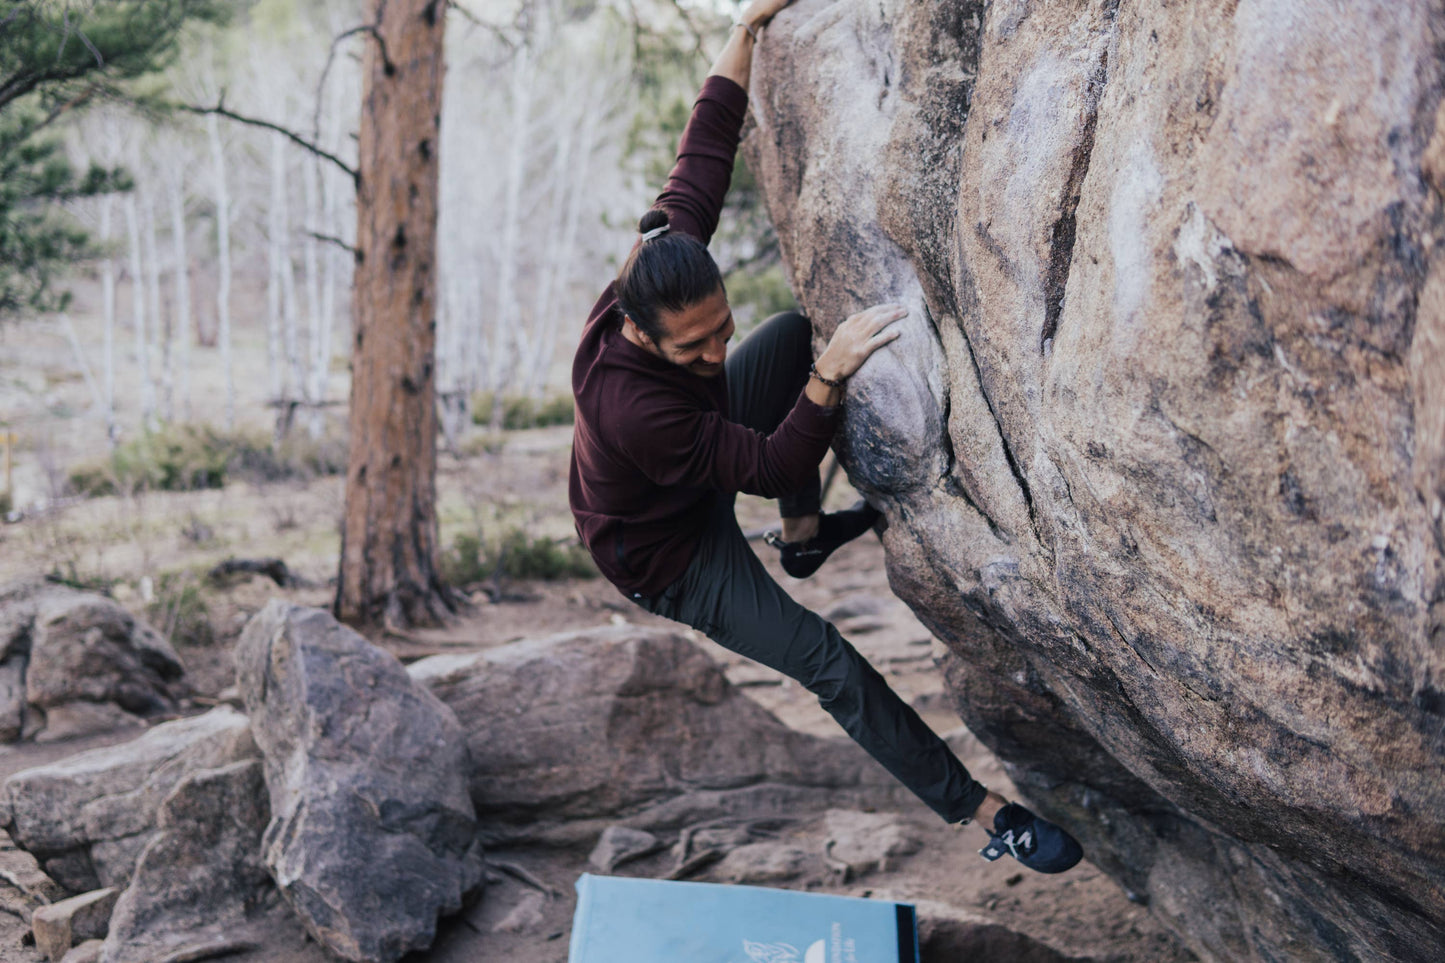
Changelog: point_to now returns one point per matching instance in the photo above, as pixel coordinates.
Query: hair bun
(652, 220)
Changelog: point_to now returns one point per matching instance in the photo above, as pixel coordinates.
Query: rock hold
(371, 833)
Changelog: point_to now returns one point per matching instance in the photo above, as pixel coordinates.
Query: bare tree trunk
(160, 328)
(275, 228)
(181, 346)
(507, 332)
(388, 572)
(223, 247)
(138, 312)
(311, 259)
(107, 290)
(330, 268)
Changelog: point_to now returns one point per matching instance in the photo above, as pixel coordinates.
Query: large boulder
(200, 887)
(1162, 446)
(626, 721)
(73, 662)
(88, 817)
(372, 831)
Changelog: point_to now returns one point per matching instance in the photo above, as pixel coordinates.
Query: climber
(670, 427)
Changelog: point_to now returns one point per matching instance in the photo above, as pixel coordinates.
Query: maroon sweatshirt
(652, 446)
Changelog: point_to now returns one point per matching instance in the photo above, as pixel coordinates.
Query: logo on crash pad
(784, 952)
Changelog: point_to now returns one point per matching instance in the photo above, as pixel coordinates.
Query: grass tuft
(516, 555)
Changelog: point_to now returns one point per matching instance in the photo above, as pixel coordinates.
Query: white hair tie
(655, 232)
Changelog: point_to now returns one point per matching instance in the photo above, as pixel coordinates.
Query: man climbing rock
(670, 427)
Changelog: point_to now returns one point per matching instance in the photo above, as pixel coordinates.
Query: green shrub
(6, 504)
(192, 457)
(520, 411)
(179, 610)
(516, 555)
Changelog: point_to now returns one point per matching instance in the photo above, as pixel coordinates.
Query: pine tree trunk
(388, 573)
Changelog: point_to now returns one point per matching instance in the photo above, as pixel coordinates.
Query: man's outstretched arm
(736, 60)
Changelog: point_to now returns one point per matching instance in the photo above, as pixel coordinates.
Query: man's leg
(766, 373)
(727, 595)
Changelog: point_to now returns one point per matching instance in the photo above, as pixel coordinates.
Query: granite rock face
(1162, 447)
(372, 833)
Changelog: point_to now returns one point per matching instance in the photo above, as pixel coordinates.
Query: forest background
(175, 296)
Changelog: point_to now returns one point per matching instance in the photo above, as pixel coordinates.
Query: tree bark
(388, 576)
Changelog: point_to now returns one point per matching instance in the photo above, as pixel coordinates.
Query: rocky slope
(1162, 449)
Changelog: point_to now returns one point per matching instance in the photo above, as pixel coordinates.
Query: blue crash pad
(623, 920)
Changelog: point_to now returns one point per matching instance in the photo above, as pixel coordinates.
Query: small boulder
(601, 723)
(765, 863)
(620, 844)
(201, 876)
(84, 917)
(372, 831)
(866, 841)
(87, 952)
(81, 658)
(87, 817)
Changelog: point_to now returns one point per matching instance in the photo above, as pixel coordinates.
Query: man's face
(697, 336)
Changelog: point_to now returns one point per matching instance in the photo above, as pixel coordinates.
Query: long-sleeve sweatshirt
(652, 445)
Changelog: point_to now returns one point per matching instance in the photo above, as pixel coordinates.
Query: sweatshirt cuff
(726, 93)
(815, 417)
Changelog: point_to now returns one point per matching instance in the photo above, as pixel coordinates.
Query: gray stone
(87, 817)
(866, 841)
(765, 863)
(620, 720)
(372, 831)
(79, 663)
(87, 952)
(1162, 444)
(84, 917)
(526, 915)
(618, 845)
(201, 878)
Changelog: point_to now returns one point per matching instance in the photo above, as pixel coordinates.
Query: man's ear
(635, 332)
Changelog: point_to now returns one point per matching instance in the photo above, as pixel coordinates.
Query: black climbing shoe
(835, 529)
(1032, 840)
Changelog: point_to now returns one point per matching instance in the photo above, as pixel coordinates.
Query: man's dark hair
(667, 272)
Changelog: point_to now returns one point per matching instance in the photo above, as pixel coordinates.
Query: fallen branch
(273, 568)
(521, 875)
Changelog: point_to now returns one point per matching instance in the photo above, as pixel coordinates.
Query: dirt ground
(1082, 913)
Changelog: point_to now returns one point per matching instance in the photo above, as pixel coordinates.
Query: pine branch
(222, 110)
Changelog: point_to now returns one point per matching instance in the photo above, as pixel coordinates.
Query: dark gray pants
(728, 596)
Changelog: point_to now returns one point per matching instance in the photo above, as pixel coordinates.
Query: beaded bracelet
(813, 373)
